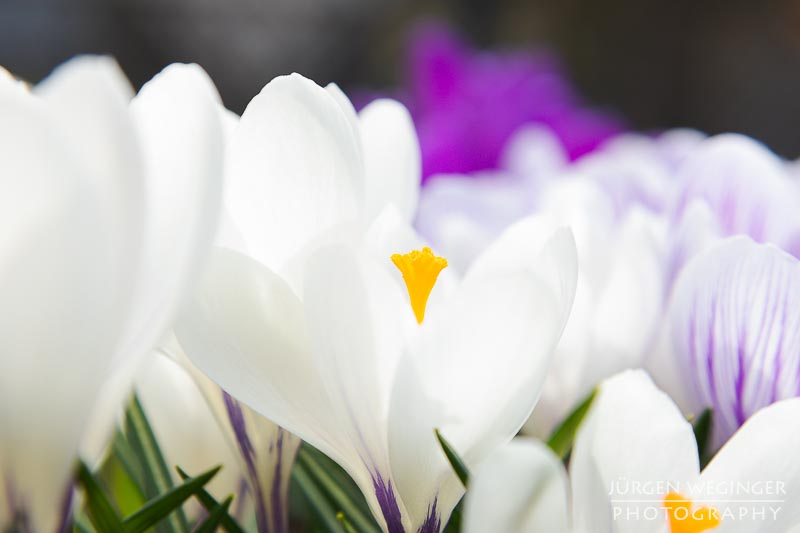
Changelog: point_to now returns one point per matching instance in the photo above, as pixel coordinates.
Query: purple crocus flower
(466, 104)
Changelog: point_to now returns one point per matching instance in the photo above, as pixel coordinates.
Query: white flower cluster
(267, 270)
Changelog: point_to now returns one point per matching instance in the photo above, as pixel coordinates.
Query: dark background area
(714, 65)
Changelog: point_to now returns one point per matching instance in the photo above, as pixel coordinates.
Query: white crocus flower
(635, 469)
(350, 369)
(314, 330)
(106, 211)
(618, 301)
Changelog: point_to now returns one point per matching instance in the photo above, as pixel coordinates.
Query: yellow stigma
(420, 268)
(682, 519)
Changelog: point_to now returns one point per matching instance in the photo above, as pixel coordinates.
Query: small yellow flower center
(420, 268)
(682, 519)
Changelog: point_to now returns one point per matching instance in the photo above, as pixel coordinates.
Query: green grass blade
(215, 518)
(316, 499)
(154, 470)
(562, 438)
(101, 512)
(362, 523)
(159, 508)
(210, 503)
(456, 462)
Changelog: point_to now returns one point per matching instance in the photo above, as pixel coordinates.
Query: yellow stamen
(683, 520)
(420, 268)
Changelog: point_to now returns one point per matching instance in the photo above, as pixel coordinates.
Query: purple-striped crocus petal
(268, 453)
(747, 187)
(734, 329)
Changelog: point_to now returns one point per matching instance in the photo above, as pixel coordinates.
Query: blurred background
(717, 66)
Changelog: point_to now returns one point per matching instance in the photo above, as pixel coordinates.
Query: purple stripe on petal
(279, 519)
(736, 329)
(65, 523)
(236, 418)
(433, 522)
(388, 504)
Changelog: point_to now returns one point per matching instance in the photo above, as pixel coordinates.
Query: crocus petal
(246, 330)
(623, 319)
(520, 488)
(58, 324)
(535, 153)
(177, 119)
(354, 311)
(177, 116)
(391, 158)
(87, 102)
(536, 244)
(449, 381)
(760, 463)
(633, 434)
(747, 188)
(734, 329)
(629, 179)
(293, 169)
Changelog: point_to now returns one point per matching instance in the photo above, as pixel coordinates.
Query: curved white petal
(176, 115)
(293, 169)
(64, 287)
(356, 315)
(536, 244)
(520, 488)
(734, 329)
(246, 330)
(759, 463)
(628, 299)
(86, 100)
(632, 434)
(476, 371)
(391, 158)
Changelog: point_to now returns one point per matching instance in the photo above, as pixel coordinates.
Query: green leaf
(216, 516)
(562, 438)
(126, 493)
(702, 433)
(363, 523)
(162, 506)
(210, 503)
(156, 475)
(124, 454)
(100, 510)
(454, 524)
(456, 462)
(316, 500)
(80, 522)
